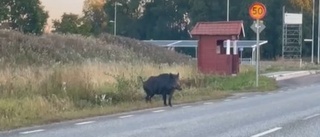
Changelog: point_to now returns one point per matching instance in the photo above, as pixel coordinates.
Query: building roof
(218, 28)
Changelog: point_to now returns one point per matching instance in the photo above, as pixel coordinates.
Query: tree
(127, 17)
(215, 10)
(4, 10)
(205, 10)
(94, 13)
(306, 5)
(97, 19)
(27, 16)
(72, 23)
(93, 4)
(169, 19)
(164, 20)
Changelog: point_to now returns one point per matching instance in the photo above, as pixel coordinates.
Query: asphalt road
(292, 111)
(307, 127)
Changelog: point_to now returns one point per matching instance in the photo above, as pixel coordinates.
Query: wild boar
(163, 84)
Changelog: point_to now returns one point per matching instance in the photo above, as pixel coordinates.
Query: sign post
(257, 11)
(241, 51)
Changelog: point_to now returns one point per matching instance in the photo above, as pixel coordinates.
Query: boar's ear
(177, 75)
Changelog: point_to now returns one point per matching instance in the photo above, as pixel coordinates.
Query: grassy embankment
(52, 78)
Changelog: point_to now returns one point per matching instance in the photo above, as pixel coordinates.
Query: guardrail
(247, 61)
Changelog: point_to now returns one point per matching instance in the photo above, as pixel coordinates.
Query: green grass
(61, 77)
(37, 110)
(281, 65)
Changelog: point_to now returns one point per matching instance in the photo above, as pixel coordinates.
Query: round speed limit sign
(257, 11)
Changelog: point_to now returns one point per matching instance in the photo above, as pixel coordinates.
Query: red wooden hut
(213, 56)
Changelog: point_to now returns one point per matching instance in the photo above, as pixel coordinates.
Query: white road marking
(127, 116)
(207, 103)
(157, 111)
(32, 131)
(267, 132)
(83, 123)
(186, 106)
(226, 100)
(244, 97)
(312, 116)
(281, 91)
(270, 93)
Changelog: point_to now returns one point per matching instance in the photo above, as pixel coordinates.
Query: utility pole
(115, 17)
(318, 61)
(312, 46)
(228, 9)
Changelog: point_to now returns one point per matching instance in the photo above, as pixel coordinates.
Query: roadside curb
(294, 74)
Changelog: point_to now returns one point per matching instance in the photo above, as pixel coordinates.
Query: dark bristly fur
(163, 84)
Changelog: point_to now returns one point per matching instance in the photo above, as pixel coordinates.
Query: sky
(57, 7)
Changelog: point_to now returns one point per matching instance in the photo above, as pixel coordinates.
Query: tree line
(158, 19)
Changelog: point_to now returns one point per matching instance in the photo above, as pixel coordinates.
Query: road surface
(291, 111)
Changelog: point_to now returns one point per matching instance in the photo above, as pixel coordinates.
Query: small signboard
(257, 11)
(257, 25)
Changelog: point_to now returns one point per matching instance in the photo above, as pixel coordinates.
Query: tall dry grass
(36, 92)
(54, 77)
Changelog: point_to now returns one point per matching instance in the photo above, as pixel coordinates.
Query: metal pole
(283, 38)
(196, 54)
(253, 56)
(318, 32)
(241, 58)
(312, 48)
(228, 8)
(300, 37)
(258, 53)
(115, 19)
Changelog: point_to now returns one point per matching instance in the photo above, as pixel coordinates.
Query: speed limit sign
(257, 11)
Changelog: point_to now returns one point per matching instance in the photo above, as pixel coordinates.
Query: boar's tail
(140, 78)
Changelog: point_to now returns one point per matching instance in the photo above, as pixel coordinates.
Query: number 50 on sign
(257, 11)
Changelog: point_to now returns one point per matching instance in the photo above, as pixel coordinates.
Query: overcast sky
(57, 7)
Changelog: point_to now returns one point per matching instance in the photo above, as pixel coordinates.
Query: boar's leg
(164, 98)
(147, 98)
(150, 96)
(170, 97)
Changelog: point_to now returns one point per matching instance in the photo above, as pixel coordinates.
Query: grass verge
(41, 112)
(38, 95)
(287, 65)
(53, 77)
